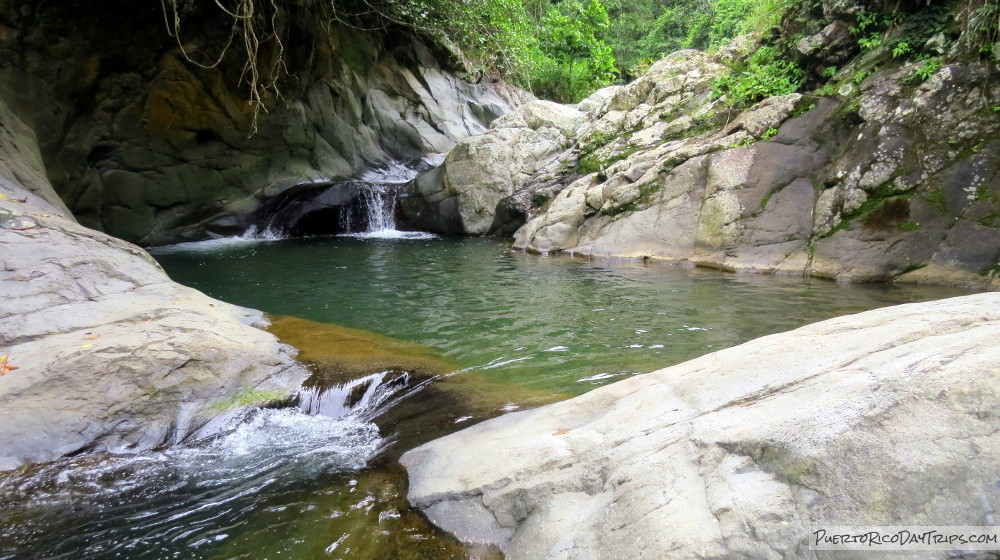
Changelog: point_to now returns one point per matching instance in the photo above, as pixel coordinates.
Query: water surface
(505, 330)
(552, 323)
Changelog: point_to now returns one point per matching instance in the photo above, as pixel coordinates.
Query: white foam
(501, 362)
(391, 234)
(598, 377)
(251, 237)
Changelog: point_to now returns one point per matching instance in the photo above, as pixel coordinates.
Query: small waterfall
(371, 210)
(359, 397)
(356, 208)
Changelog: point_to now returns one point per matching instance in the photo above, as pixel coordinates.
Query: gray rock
(152, 149)
(462, 195)
(880, 418)
(836, 190)
(111, 355)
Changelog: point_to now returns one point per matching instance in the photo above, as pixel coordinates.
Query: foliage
(491, 34)
(927, 69)
(650, 29)
(572, 58)
(767, 73)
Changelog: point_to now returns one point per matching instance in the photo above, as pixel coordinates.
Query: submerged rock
(111, 354)
(882, 418)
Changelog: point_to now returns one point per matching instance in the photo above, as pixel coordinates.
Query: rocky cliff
(889, 171)
(143, 142)
(881, 418)
(110, 354)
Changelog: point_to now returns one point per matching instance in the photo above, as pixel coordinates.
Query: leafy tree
(573, 58)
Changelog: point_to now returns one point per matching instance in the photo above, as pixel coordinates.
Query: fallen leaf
(560, 432)
(2, 196)
(95, 337)
(5, 367)
(86, 346)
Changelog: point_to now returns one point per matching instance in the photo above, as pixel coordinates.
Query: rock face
(111, 354)
(882, 418)
(149, 147)
(461, 196)
(893, 178)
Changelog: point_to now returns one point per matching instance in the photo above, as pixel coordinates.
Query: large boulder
(109, 353)
(461, 196)
(887, 417)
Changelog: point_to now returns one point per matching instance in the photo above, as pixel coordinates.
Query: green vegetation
(560, 49)
(766, 73)
(572, 59)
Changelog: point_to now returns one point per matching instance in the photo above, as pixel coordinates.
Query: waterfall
(371, 210)
(360, 397)
(364, 208)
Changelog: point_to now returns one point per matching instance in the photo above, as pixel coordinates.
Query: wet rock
(149, 147)
(885, 420)
(111, 355)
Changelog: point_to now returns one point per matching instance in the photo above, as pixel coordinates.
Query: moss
(909, 226)
(991, 270)
(912, 268)
(592, 164)
(878, 212)
(342, 353)
(763, 205)
(249, 397)
(993, 220)
(938, 200)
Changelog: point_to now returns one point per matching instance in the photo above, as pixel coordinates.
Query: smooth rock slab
(887, 417)
(111, 354)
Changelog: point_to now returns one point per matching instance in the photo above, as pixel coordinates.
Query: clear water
(290, 484)
(550, 323)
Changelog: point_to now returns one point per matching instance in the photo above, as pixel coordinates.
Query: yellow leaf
(2, 196)
(86, 346)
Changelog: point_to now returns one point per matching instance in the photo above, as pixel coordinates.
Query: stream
(494, 330)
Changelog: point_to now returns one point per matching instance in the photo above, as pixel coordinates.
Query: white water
(249, 237)
(203, 487)
(379, 201)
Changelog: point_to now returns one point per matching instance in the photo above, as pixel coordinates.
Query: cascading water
(192, 496)
(356, 208)
(375, 212)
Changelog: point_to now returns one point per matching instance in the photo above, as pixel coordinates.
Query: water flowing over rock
(111, 354)
(147, 146)
(882, 418)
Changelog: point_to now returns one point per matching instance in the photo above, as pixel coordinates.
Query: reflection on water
(549, 323)
(478, 331)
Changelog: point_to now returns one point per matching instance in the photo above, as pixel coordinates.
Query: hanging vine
(489, 35)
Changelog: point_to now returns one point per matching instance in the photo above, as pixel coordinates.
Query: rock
(830, 188)
(461, 196)
(111, 355)
(149, 147)
(880, 418)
